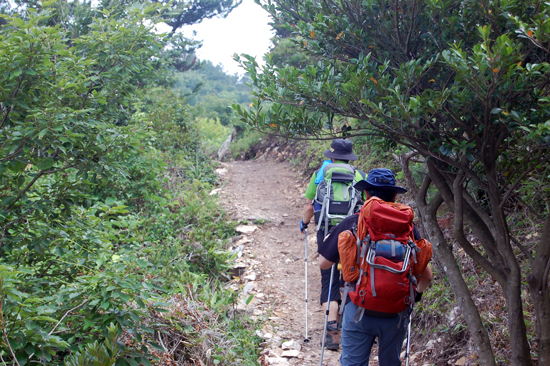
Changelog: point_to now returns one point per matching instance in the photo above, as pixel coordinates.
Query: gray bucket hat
(340, 149)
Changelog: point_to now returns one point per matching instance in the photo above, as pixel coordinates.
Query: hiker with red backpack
(337, 178)
(385, 266)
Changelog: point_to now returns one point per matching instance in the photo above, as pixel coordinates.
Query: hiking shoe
(332, 339)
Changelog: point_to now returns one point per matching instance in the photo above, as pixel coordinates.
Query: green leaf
(147, 329)
(156, 346)
(29, 348)
(8, 201)
(21, 359)
(94, 302)
(142, 263)
(88, 324)
(140, 302)
(22, 104)
(45, 318)
(45, 163)
(159, 288)
(131, 361)
(134, 316)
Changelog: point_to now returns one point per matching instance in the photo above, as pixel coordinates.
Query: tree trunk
(540, 294)
(521, 353)
(445, 257)
(541, 301)
(506, 272)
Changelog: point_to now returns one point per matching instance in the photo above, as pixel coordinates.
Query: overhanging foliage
(463, 83)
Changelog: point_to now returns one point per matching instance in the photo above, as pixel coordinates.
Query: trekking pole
(326, 316)
(408, 340)
(306, 339)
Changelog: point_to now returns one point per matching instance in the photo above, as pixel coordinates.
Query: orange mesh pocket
(347, 247)
(422, 258)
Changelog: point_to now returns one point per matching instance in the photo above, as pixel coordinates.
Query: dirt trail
(271, 259)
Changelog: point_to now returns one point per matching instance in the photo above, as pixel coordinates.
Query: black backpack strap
(364, 176)
(348, 287)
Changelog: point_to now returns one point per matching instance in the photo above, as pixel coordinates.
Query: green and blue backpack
(336, 198)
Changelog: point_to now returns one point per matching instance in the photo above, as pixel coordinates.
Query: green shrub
(104, 204)
(244, 142)
(213, 134)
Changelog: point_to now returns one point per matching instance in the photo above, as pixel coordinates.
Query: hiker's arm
(425, 279)
(307, 212)
(324, 263)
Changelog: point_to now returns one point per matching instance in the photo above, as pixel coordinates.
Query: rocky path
(268, 197)
(270, 263)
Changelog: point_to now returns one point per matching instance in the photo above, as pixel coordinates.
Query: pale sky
(245, 30)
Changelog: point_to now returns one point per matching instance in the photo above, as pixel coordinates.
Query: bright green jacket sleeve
(311, 187)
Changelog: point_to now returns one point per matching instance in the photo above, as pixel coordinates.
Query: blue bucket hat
(379, 178)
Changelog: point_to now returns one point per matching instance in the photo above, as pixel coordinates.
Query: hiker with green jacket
(340, 152)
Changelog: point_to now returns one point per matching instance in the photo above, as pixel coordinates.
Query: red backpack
(381, 262)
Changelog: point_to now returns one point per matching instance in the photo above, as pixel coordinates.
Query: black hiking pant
(337, 281)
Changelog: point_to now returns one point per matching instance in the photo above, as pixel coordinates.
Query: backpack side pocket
(347, 247)
(423, 257)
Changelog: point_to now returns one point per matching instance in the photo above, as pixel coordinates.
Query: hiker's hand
(417, 296)
(303, 225)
